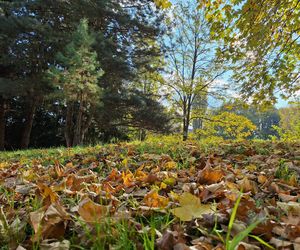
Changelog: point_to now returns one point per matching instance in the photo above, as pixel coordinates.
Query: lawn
(157, 194)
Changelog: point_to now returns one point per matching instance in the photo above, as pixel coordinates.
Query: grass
(232, 243)
(125, 233)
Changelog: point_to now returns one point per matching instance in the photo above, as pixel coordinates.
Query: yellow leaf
(251, 167)
(170, 181)
(163, 185)
(171, 165)
(191, 208)
(164, 4)
(128, 179)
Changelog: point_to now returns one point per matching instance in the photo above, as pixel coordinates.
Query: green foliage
(289, 127)
(78, 70)
(231, 244)
(262, 118)
(261, 41)
(229, 126)
(122, 42)
(285, 173)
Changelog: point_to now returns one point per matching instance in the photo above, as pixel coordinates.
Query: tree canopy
(261, 40)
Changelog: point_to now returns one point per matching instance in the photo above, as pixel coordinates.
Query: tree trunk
(29, 117)
(185, 122)
(142, 134)
(69, 124)
(185, 133)
(78, 126)
(2, 122)
(85, 127)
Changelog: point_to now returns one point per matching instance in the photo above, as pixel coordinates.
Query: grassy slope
(249, 157)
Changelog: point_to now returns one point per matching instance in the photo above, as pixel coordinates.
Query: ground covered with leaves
(152, 195)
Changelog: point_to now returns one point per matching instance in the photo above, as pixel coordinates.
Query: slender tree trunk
(85, 127)
(69, 124)
(78, 126)
(2, 122)
(184, 121)
(142, 134)
(29, 117)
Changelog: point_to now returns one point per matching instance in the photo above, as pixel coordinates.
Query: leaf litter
(118, 190)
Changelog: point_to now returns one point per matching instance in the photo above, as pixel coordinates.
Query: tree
(229, 126)
(23, 60)
(199, 108)
(191, 60)
(77, 75)
(148, 81)
(263, 118)
(289, 127)
(33, 32)
(261, 40)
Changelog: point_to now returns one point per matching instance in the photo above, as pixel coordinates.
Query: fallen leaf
(153, 199)
(49, 222)
(279, 244)
(128, 179)
(167, 241)
(57, 245)
(290, 207)
(209, 175)
(191, 208)
(92, 212)
(171, 165)
(47, 193)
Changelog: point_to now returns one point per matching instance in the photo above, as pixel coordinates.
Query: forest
(149, 124)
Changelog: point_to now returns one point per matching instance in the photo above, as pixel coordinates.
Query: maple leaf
(153, 199)
(209, 175)
(191, 208)
(128, 179)
(48, 194)
(92, 212)
(49, 222)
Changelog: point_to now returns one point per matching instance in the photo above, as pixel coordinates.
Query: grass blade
(232, 218)
(261, 241)
(240, 236)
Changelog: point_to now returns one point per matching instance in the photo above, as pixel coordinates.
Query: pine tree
(77, 76)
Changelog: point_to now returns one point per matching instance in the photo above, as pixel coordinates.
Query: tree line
(81, 72)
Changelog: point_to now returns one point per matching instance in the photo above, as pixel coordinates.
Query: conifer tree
(77, 76)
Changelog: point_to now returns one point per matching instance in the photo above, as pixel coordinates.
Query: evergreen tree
(77, 75)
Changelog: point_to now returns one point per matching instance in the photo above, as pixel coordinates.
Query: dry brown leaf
(209, 175)
(262, 179)
(47, 193)
(92, 212)
(247, 185)
(49, 222)
(76, 183)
